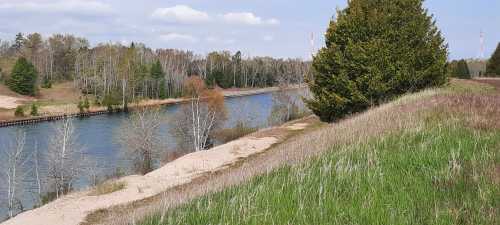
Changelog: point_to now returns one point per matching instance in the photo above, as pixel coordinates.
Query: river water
(97, 135)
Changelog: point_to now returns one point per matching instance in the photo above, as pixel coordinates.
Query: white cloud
(181, 14)
(268, 38)
(178, 37)
(78, 7)
(248, 18)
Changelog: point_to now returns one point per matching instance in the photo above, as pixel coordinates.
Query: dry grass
(60, 93)
(107, 188)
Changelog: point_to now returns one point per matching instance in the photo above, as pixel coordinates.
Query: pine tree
(159, 76)
(462, 70)
(19, 43)
(376, 50)
(157, 70)
(493, 67)
(23, 77)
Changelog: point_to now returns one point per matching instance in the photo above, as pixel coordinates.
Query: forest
(114, 72)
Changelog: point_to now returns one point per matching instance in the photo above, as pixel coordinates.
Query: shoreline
(74, 208)
(73, 112)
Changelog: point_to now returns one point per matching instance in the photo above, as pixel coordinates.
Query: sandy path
(7, 102)
(73, 209)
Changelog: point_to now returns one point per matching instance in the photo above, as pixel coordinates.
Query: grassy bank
(437, 165)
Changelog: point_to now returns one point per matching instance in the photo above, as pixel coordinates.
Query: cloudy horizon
(266, 28)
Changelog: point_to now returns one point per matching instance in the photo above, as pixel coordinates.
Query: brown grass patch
(107, 188)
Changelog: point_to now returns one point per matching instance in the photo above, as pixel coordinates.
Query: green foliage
(46, 83)
(86, 103)
(156, 71)
(162, 90)
(34, 110)
(375, 51)
(111, 100)
(23, 77)
(80, 106)
(459, 69)
(19, 111)
(414, 177)
(493, 67)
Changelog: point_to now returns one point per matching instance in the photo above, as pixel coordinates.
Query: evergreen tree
(159, 76)
(493, 67)
(462, 70)
(157, 70)
(376, 50)
(19, 43)
(23, 77)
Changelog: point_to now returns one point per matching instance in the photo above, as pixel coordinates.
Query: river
(97, 135)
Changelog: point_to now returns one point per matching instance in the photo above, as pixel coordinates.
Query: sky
(277, 28)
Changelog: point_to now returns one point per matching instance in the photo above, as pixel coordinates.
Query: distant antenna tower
(313, 50)
(481, 45)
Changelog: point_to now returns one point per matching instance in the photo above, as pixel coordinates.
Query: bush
(86, 104)
(34, 110)
(375, 51)
(110, 100)
(46, 83)
(81, 107)
(23, 78)
(19, 111)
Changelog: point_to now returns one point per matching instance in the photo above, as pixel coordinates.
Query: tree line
(122, 73)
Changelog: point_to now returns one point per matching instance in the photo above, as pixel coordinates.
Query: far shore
(71, 110)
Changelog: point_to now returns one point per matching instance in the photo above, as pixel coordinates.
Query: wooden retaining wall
(49, 118)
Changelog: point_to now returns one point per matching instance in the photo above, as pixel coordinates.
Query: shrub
(34, 110)
(375, 51)
(86, 104)
(81, 107)
(46, 83)
(110, 100)
(19, 111)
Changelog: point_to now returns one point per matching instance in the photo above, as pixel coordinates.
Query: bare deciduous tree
(64, 157)
(141, 137)
(196, 121)
(14, 172)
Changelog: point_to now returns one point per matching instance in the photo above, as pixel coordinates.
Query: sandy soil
(8, 102)
(74, 208)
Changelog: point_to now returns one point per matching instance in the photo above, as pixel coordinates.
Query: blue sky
(279, 28)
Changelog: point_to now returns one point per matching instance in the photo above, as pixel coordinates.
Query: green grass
(439, 174)
(468, 86)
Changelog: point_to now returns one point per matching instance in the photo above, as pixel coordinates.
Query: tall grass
(440, 174)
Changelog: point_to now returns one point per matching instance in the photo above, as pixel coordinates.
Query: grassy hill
(426, 158)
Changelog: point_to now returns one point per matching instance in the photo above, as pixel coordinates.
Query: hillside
(427, 158)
